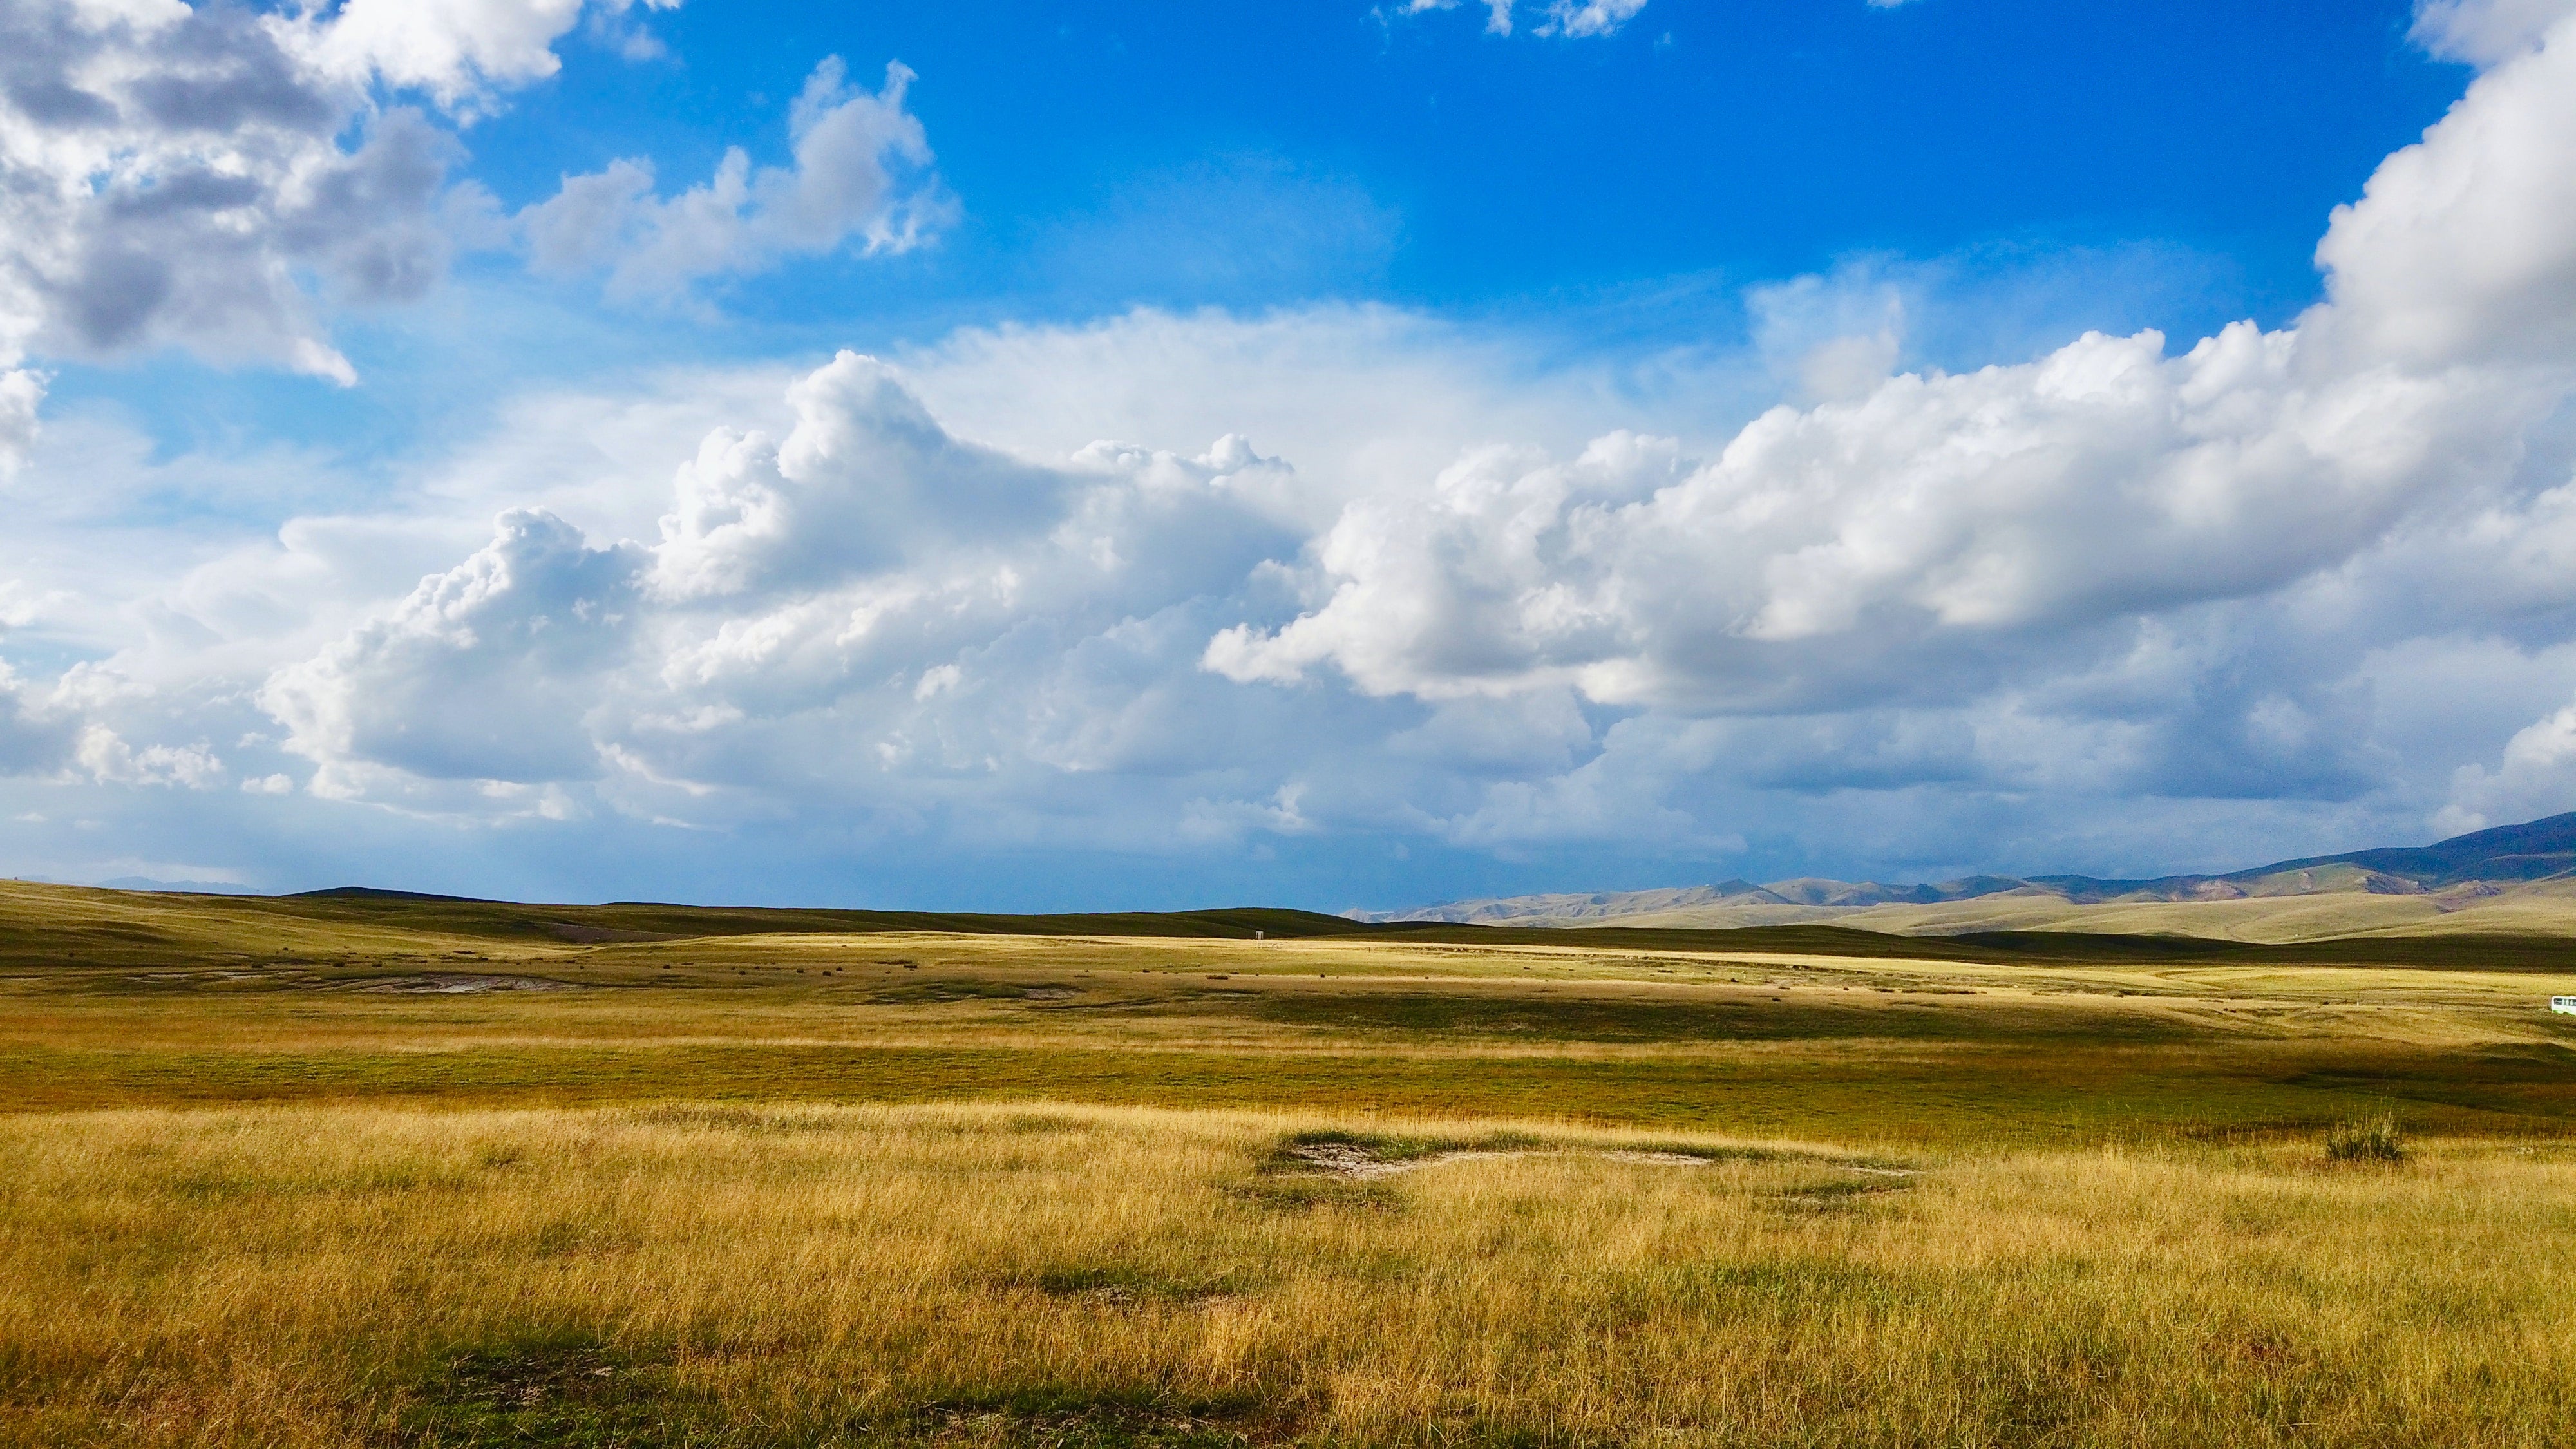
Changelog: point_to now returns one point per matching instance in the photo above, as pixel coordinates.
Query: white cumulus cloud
(866, 599)
(481, 674)
(2485, 32)
(862, 174)
(208, 176)
(2536, 775)
(110, 760)
(1827, 555)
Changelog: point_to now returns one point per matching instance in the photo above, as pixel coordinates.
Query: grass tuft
(2368, 1141)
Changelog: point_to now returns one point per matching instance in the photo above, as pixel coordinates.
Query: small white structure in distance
(2565, 1004)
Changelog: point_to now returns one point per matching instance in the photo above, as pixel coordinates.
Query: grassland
(444, 1174)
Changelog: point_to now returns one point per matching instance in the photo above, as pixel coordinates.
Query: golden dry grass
(813, 1275)
(887, 1188)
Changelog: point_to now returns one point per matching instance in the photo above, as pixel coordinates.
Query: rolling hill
(2518, 879)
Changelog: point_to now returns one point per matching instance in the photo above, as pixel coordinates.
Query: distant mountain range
(186, 887)
(2450, 875)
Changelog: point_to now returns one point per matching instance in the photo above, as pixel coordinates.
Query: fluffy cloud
(1821, 555)
(2459, 253)
(170, 168)
(110, 760)
(2485, 32)
(460, 51)
(177, 174)
(865, 479)
(217, 178)
(59, 732)
(451, 48)
(1981, 520)
(862, 171)
(2536, 776)
(482, 674)
(824, 614)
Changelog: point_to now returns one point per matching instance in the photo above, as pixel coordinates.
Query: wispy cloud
(1568, 18)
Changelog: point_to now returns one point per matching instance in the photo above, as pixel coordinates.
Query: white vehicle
(2566, 1004)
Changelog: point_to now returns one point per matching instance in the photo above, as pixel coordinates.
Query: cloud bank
(882, 601)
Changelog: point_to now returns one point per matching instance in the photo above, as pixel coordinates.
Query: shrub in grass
(2377, 1139)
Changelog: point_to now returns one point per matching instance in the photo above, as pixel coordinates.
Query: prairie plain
(404, 1172)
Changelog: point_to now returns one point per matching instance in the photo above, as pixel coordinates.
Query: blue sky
(1312, 454)
(2138, 166)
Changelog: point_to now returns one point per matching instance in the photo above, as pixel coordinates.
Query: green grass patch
(564, 1392)
(1118, 1283)
(1045, 1417)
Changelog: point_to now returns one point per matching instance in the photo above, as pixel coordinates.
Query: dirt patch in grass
(1358, 1164)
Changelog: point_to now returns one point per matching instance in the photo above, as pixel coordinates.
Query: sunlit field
(798, 1275)
(364, 1182)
